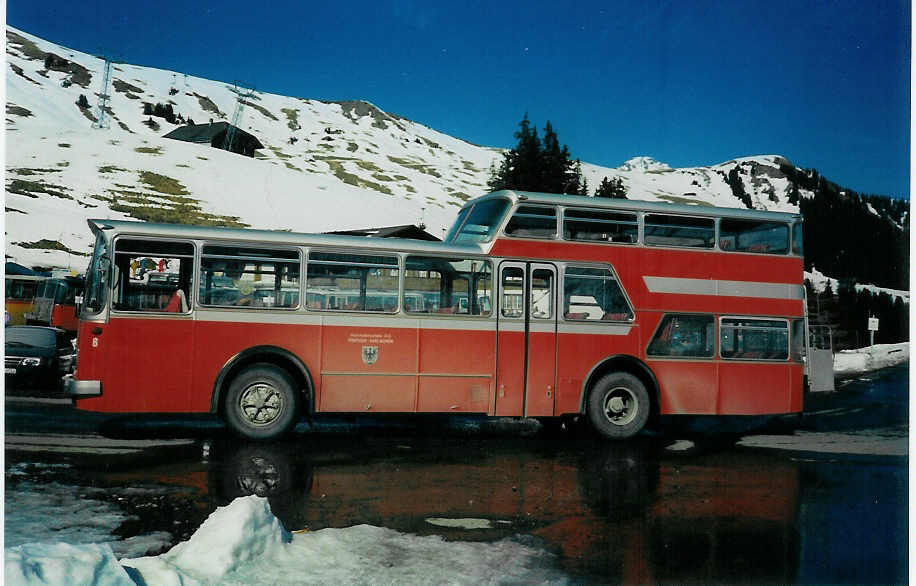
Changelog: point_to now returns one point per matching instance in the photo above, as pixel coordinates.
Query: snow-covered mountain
(325, 165)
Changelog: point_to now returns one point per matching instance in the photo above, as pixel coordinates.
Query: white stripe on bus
(427, 374)
(354, 320)
(395, 322)
(723, 288)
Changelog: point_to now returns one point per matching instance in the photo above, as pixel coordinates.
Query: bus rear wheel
(261, 403)
(618, 405)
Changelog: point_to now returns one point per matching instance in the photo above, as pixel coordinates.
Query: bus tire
(618, 405)
(261, 403)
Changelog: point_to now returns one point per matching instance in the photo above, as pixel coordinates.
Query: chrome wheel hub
(620, 406)
(260, 404)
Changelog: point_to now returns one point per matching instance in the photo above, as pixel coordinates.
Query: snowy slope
(350, 165)
(819, 283)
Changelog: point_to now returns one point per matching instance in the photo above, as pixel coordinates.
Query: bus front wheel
(618, 405)
(261, 402)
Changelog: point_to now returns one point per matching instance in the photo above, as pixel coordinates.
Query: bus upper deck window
(600, 226)
(481, 222)
(753, 236)
(797, 239)
(533, 222)
(670, 230)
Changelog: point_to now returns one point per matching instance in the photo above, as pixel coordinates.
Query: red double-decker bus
(535, 305)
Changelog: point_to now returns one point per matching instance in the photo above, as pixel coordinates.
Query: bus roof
(279, 237)
(635, 205)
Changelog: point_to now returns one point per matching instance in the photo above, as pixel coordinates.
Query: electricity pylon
(102, 121)
(241, 93)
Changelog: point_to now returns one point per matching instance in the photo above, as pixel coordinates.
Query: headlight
(31, 361)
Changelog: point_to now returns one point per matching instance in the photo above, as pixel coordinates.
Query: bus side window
(593, 293)
(447, 286)
(352, 282)
(249, 276)
(687, 335)
(152, 275)
(754, 339)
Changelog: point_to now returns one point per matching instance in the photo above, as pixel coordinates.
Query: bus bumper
(82, 389)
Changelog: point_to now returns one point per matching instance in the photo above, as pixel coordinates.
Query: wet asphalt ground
(682, 504)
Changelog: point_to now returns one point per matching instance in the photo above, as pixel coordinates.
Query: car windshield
(27, 336)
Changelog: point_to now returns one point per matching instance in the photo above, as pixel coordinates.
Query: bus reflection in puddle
(629, 512)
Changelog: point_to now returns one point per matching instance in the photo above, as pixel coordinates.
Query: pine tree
(536, 166)
(82, 102)
(612, 188)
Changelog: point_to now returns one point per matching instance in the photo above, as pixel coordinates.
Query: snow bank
(872, 442)
(244, 543)
(64, 564)
(848, 362)
(233, 535)
(59, 512)
(819, 282)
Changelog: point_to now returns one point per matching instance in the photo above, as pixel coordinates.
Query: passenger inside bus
(178, 303)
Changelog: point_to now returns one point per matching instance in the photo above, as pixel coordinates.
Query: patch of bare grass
(292, 118)
(45, 244)
(264, 111)
(207, 105)
(416, 166)
(25, 171)
(17, 110)
(167, 209)
(33, 188)
(163, 184)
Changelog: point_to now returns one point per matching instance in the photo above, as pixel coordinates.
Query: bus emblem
(370, 354)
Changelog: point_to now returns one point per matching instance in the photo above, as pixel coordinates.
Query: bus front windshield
(97, 276)
(478, 223)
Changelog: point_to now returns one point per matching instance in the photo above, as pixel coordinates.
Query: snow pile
(871, 442)
(244, 543)
(233, 535)
(375, 555)
(875, 357)
(64, 564)
(37, 509)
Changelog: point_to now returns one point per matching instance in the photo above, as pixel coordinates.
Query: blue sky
(824, 83)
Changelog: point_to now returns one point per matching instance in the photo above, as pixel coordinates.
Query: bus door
(147, 346)
(526, 340)
(820, 359)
